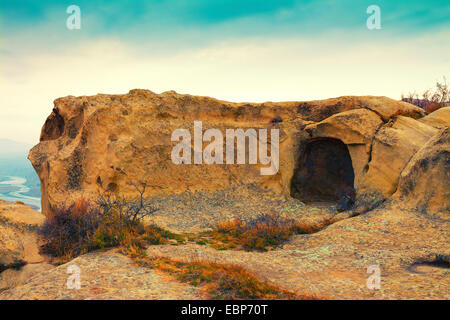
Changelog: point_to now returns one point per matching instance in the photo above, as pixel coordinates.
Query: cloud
(253, 69)
(276, 50)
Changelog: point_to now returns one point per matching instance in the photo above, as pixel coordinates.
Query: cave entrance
(324, 172)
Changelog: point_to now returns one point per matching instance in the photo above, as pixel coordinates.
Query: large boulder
(393, 146)
(388, 108)
(438, 119)
(424, 182)
(117, 142)
(110, 142)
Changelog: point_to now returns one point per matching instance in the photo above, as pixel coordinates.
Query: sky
(246, 50)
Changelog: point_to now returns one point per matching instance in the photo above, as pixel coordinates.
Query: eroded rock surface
(18, 233)
(103, 276)
(330, 264)
(387, 156)
(19, 244)
(104, 142)
(425, 182)
(333, 263)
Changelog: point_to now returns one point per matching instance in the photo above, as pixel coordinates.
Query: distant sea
(18, 180)
(14, 189)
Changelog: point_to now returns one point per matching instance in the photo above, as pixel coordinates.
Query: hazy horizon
(13, 147)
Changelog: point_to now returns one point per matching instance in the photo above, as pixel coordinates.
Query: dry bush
(431, 99)
(67, 229)
(110, 221)
(266, 230)
(433, 107)
(128, 209)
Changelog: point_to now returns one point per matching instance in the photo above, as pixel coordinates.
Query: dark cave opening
(53, 127)
(324, 172)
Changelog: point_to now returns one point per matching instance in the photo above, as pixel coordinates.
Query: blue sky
(121, 16)
(248, 50)
(203, 21)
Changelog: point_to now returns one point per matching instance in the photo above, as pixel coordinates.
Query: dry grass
(220, 281)
(266, 231)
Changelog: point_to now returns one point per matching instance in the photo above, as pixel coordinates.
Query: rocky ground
(104, 276)
(192, 212)
(19, 248)
(331, 263)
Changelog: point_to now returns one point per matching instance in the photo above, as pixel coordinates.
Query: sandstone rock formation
(438, 119)
(389, 156)
(105, 142)
(18, 226)
(425, 182)
(19, 248)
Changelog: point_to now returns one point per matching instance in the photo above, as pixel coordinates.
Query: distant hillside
(13, 149)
